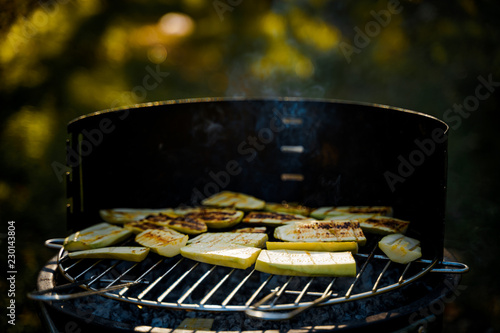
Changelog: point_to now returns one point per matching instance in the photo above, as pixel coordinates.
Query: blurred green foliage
(62, 59)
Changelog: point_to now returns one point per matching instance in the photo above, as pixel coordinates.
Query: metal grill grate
(180, 283)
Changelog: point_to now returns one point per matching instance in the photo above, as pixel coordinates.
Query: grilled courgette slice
(273, 218)
(314, 246)
(306, 263)
(164, 242)
(287, 207)
(400, 248)
(326, 212)
(227, 199)
(321, 231)
(96, 236)
(124, 215)
(128, 253)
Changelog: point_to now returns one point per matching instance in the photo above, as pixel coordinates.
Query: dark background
(62, 59)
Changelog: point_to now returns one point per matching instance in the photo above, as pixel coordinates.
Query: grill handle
(451, 267)
(54, 243)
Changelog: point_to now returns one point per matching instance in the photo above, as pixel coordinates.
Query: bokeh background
(60, 59)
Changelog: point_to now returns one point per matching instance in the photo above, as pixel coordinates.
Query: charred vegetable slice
(231, 238)
(128, 253)
(124, 215)
(287, 207)
(306, 263)
(321, 231)
(164, 242)
(217, 218)
(253, 230)
(139, 226)
(326, 212)
(99, 235)
(400, 248)
(234, 200)
(182, 224)
(235, 256)
(382, 225)
(273, 218)
(314, 246)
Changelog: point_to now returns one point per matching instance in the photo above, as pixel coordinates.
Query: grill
(191, 288)
(319, 153)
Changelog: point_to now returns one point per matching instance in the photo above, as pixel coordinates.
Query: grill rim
(249, 304)
(46, 280)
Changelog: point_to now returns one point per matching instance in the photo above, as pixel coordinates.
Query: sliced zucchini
(314, 246)
(327, 212)
(164, 242)
(227, 199)
(124, 215)
(287, 207)
(217, 218)
(128, 253)
(181, 223)
(96, 236)
(306, 263)
(231, 238)
(235, 256)
(321, 231)
(139, 226)
(273, 218)
(252, 230)
(400, 248)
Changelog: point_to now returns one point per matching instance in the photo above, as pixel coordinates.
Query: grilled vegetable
(124, 215)
(321, 231)
(217, 218)
(326, 212)
(305, 263)
(382, 225)
(231, 238)
(99, 235)
(234, 200)
(253, 230)
(129, 253)
(235, 256)
(400, 248)
(164, 242)
(182, 224)
(287, 207)
(139, 226)
(272, 218)
(314, 246)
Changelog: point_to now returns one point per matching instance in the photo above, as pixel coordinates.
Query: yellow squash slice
(400, 248)
(227, 199)
(96, 236)
(314, 246)
(128, 253)
(321, 231)
(164, 242)
(306, 263)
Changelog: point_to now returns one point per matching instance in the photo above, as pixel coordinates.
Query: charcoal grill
(315, 152)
